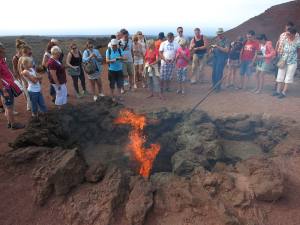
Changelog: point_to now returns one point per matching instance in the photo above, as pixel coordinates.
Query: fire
(145, 156)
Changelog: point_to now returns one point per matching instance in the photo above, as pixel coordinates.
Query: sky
(102, 17)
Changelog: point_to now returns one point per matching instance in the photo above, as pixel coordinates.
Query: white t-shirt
(178, 38)
(169, 50)
(33, 87)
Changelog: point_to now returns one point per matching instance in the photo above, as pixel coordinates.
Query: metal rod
(206, 96)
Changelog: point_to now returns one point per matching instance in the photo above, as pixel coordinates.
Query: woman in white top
(34, 87)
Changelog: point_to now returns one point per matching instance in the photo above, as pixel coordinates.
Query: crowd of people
(134, 62)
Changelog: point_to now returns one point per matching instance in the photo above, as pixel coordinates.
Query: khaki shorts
(286, 75)
(128, 69)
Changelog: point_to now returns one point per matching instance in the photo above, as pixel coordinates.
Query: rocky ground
(80, 174)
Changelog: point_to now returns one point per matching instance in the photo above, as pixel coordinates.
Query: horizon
(235, 12)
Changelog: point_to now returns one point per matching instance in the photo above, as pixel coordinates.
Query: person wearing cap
(179, 34)
(182, 61)
(115, 58)
(198, 47)
(220, 50)
(247, 58)
(6, 93)
(160, 39)
(92, 55)
(263, 60)
(233, 62)
(167, 51)
(128, 68)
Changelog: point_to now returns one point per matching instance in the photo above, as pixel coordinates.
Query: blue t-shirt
(118, 65)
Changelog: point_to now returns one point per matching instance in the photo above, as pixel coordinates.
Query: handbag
(74, 72)
(89, 67)
(281, 63)
(16, 87)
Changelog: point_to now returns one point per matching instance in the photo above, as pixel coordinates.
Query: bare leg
(99, 85)
(285, 89)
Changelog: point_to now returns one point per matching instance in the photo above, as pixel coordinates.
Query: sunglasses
(74, 48)
(180, 31)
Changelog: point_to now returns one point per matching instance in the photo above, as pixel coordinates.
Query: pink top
(270, 52)
(181, 62)
(6, 75)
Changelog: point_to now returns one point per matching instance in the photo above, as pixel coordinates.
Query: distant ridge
(271, 22)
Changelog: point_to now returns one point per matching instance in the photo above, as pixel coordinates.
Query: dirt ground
(15, 196)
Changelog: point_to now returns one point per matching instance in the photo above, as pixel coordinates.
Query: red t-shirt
(6, 75)
(181, 61)
(249, 49)
(151, 56)
(60, 71)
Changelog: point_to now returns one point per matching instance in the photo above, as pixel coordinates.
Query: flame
(145, 156)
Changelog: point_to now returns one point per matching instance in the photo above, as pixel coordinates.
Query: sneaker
(281, 96)
(17, 126)
(9, 125)
(182, 92)
(78, 95)
(101, 95)
(95, 98)
(134, 86)
(275, 93)
(178, 91)
(85, 93)
(122, 91)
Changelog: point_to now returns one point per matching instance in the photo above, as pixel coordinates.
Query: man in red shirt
(7, 97)
(251, 46)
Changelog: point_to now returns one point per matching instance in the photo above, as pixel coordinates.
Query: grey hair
(2, 46)
(55, 50)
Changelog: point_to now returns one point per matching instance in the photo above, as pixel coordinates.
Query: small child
(182, 60)
(34, 86)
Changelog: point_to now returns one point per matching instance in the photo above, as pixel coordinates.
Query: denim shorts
(245, 68)
(7, 101)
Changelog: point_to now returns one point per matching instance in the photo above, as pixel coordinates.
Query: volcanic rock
(265, 180)
(95, 172)
(140, 201)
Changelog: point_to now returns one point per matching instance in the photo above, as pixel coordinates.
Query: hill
(271, 22)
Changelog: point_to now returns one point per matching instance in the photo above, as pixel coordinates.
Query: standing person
(234, 62)
(283, 37)
(220, 50)
(138, 58)
(15, 60)
(167, 51)
(182, 61)
(34, 87)
(26, 51)
(179, 35)
(142, 40)
(114, 57)
(264, 59)
(6, 94)
(58, 77)
(250, 48)
(151, 69)
(92, 59)
(128, 67)
(46, 57)
(161, 38)
(287, 64)
(198, 47)
(75, 70)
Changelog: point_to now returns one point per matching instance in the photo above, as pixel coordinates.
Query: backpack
(109, 52)
(89, 67)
